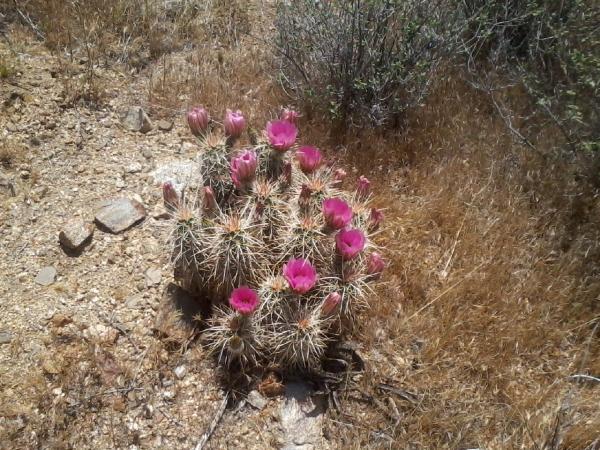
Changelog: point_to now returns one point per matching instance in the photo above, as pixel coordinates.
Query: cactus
(286, 256)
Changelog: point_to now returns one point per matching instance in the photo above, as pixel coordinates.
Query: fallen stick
(206, 436)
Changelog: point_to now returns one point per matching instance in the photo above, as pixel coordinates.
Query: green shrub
(553, 48)
(367, 61)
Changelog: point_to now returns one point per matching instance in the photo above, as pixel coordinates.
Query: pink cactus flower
(375, 218)
(243, 168)
(375, 264)
(170, 196)
(339, 175)
(289, 115)
(337, 213)
(197, 120)
(281, 134)
(209, 202)
(349, 243)
(363, 186)
(331, 303)
(244, 300)
(309, 158)
(300, 275)
(234, 123)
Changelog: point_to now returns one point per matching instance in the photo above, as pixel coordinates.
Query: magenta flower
(197, 120)
(309, 158)
(244, 300)
(243, 168)
(375, 264)
(289, 115)
(375, 218)
(363, 186)
(234, 123)
(339, 175)
(281, 134)
(331, 303)
(337, 213)
(300, 275)
(349, 243)
(170, 196)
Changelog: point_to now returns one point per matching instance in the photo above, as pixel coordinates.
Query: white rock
(180, 371)
(46, 276)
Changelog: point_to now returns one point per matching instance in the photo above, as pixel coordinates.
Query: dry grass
(492, 296)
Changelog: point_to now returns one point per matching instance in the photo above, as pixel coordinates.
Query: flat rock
(5, 337)
(165, 125)
(46, 276)
(301, 418)
(119, 214)
(134, 167)
(181, 174)
(180, 372)
(75, 234)
(7, 186)
(153, 276)
(256, 399)
(136, 119)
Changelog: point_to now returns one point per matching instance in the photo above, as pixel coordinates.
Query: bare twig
(584, 377)
(208, 433)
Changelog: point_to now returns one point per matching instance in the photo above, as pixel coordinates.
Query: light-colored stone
(5, 337)
(75, 234)
(134, 167)
(46, 276)
(153, 276)
(119, 214)
(136, 119)
(100, 333)
(180, 372)
(301, 418)
(182, 174)
(165, 125)
(256, 399)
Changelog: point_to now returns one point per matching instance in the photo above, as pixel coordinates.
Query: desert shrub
(285, 255)
(551, 48)
(368, 61)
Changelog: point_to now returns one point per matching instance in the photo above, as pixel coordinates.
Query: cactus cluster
(285, 255)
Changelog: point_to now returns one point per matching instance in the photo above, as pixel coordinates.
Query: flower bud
(170, 196)
(339, 175)
(289, 115)
(209, 202)
(363, 186)
(331, 303)
(375, 264)
(234, 123)
(309, 158)
(197, 119)
(243, 168)
(375, 218)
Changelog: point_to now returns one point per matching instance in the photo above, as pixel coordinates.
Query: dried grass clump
(492, 298)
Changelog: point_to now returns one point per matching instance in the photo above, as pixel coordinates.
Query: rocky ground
(83, 268)
(482, 335)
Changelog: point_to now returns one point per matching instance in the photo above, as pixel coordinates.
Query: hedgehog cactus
(286, 256)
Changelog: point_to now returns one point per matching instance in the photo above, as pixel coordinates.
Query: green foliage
(364, 61)
(553, 48)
